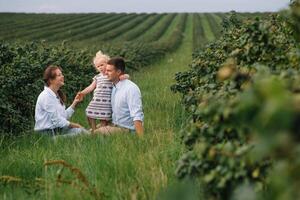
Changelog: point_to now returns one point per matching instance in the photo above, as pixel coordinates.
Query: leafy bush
(21, 74)
(237, 88)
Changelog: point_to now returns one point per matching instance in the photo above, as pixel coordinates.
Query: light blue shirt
(50, 113)
(126, 101)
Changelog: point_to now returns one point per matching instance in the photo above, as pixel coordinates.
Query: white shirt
(50, 113)
(126, 101)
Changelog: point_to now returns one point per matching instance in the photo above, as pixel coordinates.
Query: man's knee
(105, 130)
(108, 130)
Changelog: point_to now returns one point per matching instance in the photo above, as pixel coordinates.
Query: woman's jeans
(64, 132)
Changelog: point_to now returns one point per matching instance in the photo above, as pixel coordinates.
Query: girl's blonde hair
(100, 55)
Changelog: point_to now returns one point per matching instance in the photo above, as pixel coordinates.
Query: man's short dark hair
(118, 63)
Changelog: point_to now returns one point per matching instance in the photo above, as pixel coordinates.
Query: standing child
(100, 105)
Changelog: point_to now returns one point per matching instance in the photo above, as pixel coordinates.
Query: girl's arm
(89, 89)
(124, 76)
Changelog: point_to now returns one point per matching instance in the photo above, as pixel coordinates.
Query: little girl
(100, 105)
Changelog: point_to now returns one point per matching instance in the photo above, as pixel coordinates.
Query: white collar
(119, 84)
(49, 91)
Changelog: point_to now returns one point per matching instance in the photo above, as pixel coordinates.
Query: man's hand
(139, 128)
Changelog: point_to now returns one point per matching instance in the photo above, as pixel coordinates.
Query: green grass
(120, 166)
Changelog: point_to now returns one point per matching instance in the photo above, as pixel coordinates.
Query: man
(126, 102)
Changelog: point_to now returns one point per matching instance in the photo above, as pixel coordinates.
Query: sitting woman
(51, 115)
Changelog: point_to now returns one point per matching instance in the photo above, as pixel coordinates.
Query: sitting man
(126, 101)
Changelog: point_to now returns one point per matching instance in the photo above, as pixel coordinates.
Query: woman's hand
(74, 125)
(78, 98)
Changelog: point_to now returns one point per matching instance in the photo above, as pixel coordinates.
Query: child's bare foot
(92, 131)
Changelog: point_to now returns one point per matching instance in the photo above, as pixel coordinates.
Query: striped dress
(100, 106)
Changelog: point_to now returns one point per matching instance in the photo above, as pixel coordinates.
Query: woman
(51, 115)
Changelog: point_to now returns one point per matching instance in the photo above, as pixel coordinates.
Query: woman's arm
(76, 100)
(74, 125)
(71, 109)
(51, 107)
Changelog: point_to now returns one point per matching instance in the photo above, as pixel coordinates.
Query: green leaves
(242, 93)
(21, 79)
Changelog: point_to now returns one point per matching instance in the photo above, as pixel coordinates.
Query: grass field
(120, 166)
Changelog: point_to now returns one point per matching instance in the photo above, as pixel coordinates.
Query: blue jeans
(64, 132)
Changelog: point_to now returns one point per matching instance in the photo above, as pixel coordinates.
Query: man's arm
(134, 100)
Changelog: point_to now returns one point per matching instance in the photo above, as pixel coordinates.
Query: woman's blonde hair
(100, 55)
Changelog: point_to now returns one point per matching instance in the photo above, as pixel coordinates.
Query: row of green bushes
(242, 93)
(21, 72)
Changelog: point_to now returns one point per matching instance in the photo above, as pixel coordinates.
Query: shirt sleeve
(70, 112)
(58, 121)
(95, 78)
(134, 100)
